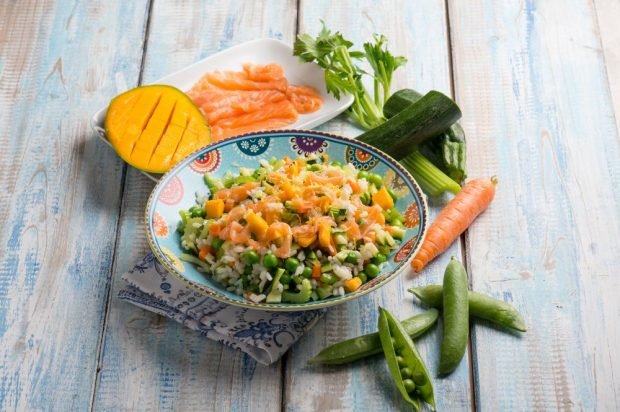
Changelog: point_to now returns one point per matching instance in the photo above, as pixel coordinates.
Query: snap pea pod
(455, 317)
(404, 361)
(480, 306)
(367, 345)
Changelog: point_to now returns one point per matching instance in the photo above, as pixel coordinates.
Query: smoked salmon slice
(240, 81)
(257, 98)
(305, 99)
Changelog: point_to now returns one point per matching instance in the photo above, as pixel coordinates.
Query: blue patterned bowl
(178, 188)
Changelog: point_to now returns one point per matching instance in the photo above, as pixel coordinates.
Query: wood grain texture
(59, 193)
(607, 12)
(367, 385)
(536, 104)
(148, 362)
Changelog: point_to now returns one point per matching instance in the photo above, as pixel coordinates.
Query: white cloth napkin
(263, 335)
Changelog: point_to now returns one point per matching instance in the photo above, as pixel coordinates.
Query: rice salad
(292, 230)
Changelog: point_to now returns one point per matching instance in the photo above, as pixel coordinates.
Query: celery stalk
(432, 180)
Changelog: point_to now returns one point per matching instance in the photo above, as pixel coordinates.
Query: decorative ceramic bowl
(178, 189)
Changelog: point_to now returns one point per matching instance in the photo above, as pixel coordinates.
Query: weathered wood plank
(418, 31)
(536, 103)
(59, 193)
(149, 362)
(607, 12)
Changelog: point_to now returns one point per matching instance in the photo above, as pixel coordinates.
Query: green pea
(395, 344)
(351, 258)
(217, 243)
(418, 378)
(379, 259)
(197, 211)
(285, 279)
(409, 385)
(402, 358)
(375, 179)
(313, 168)
(291, 264)
(336, 163)
(371, 270)
(362, 174)
(250, 257)
(307, 273)
(270, 261)
(362, 277)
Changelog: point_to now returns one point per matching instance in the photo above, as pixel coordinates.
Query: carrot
(316, 271)
(454, 219)
(204, 252)
(354, 186)
(215, 228)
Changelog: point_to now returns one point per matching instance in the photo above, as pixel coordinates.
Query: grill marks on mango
(153, 127)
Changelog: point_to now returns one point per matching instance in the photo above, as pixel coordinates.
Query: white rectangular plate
(261, 51)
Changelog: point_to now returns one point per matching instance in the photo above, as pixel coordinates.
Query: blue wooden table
(539, 86)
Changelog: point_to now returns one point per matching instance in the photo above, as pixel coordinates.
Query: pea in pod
(404, 361)
(367, 345)
(455, 317)
(480, 306)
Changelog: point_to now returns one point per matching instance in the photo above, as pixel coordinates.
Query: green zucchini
(446, 151)
(399, 101)
(428, 117)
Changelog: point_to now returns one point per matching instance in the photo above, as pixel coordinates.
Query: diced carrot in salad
(310, 218)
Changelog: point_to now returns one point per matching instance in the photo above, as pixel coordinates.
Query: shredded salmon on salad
(293, 230)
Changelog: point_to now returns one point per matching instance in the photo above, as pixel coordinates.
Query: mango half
(153, 127)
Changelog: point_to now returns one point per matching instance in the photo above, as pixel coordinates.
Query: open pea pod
(404, 361)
